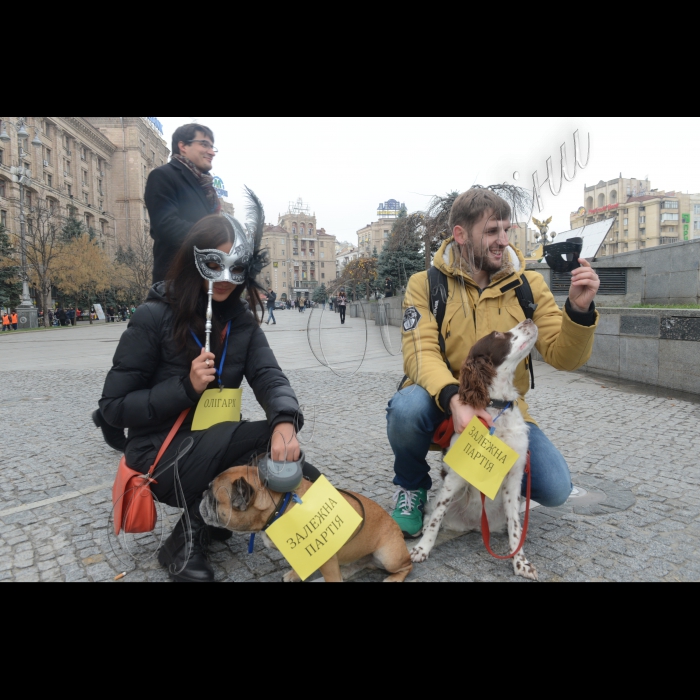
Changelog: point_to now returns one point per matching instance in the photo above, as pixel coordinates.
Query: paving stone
(648, 527)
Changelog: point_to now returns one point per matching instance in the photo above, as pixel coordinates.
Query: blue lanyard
(220, 373)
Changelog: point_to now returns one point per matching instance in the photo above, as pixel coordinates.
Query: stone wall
(660, 347)
(386, 312)
(665, 275)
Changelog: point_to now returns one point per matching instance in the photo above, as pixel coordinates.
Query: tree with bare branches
(44, 244)
(134, 268)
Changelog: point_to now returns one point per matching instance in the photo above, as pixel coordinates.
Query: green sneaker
(410, 508)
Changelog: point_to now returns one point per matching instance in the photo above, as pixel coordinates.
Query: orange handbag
(134, 507)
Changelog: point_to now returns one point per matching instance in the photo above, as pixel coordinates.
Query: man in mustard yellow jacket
(483, 271)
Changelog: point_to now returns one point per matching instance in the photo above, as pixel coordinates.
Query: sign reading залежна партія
(311, 534)
(482, 459)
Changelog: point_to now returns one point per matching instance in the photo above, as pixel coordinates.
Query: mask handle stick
(210, 315)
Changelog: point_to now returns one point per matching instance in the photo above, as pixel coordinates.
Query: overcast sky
(343, 167)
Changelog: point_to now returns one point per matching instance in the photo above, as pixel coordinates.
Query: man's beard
(480, 263)
(485, 265)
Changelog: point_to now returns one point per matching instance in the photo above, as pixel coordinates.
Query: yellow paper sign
(482, 459)
(310, 535)
(216, 407)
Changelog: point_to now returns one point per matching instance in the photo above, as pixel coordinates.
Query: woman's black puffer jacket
(149, 385)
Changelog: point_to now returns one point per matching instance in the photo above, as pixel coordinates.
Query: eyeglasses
(207, 144)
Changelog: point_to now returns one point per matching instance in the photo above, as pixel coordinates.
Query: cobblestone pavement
(630, 448)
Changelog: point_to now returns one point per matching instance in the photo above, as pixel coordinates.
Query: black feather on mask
(256, 228)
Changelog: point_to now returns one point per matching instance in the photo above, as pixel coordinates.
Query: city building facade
(94, 167)
(523, 238)
(70, 166)
(139, 149)
(373, 237)
(302, 255)
(344, 256)
(645, 217)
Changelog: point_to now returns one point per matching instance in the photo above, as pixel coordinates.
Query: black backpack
(438, 293)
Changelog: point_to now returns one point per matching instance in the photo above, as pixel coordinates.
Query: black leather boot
(184, 555)
(114, 437)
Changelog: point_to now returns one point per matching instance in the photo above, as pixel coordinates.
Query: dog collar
(276, 515)
(500, 405)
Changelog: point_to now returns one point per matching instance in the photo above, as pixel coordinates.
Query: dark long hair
(185, 286)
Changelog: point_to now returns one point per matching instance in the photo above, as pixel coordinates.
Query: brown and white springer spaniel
(488, 375)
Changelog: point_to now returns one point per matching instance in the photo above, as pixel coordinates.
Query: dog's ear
(242, 495)
(475, 382)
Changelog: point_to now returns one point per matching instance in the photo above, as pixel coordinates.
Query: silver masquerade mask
(232, 268)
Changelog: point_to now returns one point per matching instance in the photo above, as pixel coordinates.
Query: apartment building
(375, 236)
(139, 148)
(645, 217)
(302, 255)
(96, 166)
(344, 256)
(69, 165)
(523, 238)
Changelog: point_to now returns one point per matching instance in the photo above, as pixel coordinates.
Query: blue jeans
(413, 417)
(272, 316)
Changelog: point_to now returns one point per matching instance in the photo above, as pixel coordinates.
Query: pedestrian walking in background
(62, 317)
(342, 307)
(51, 319)
(330, 305)
(271, 301)
(15, 321)
(6, 323)
(181, 193)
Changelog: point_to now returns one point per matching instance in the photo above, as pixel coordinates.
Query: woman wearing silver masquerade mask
(162, 369)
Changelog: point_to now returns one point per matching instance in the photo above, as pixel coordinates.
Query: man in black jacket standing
(181, 193)
(271, 302)
(178, 195)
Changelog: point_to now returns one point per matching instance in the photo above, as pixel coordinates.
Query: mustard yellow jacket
(472, 314)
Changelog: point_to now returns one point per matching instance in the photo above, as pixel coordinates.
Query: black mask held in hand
(563, 257)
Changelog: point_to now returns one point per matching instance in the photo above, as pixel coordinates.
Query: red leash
(443, 437)
(486, 531)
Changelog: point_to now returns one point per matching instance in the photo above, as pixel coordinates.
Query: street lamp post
(27, 314)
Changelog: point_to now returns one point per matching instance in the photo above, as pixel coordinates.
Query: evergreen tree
(10, 288)
(74, 227)
(321, 295)
(403, 255)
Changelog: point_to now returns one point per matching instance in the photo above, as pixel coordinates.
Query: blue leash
(220, 373)
(280, 513)
(493, 430)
